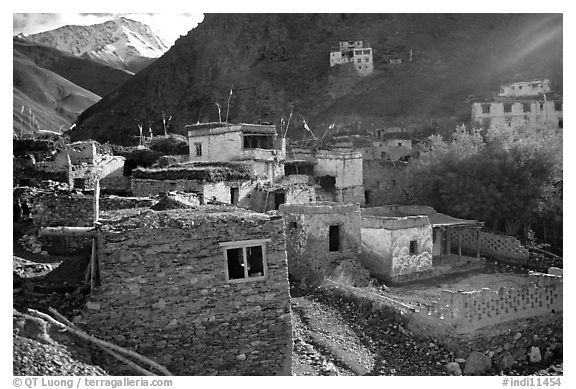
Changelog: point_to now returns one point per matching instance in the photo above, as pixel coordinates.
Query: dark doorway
(279, 198)
(327, 182)
(366, 197)
(79, 183)
(334, 238)
(234, 195)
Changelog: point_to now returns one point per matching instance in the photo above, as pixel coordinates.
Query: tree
(505, 178)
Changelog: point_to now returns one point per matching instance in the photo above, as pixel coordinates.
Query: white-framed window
(198, 146)
(245, 260)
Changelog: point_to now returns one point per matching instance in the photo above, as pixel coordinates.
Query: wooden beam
(93, 259)
(88, 232)
(96, 200)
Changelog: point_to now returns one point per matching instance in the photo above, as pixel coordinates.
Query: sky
(170, 25)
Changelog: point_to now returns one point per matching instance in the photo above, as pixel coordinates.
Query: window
(358, 60)
(560, 123)
(366, 59)
(367, 197)
(399, 144)
(541, 106)
(485, 108)
(557, 106)
(413, 247)
(245, 260)
(507, 107)
(198, 149)
(526, 107)
(520, 87)
(334, 238)
(292, 226)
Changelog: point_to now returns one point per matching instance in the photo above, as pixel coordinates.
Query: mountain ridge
(273, 62)
(121, 43)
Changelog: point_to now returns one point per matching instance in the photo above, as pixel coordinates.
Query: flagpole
(288, 125)
(228, 108)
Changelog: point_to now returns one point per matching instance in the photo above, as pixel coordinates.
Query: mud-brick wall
(464, 312)
(164, 294)
(307, 238)
(491, 244)
(74, 210)
(473, 310)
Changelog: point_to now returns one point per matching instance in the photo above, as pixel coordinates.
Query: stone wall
(50, 209)
(384, 182)
(142, 187)
(465, 312)
(263, 199)
(386, 246)
(307, 237)
(502, 246)
(164, 292)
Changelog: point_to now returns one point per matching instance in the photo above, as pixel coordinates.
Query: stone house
(224, 182)
(529, 104)
(320, 236)
(202, 291)
(83, 165)
(539, 113)
(338, 174)
(255, 145)
(525, 88)
(384, 182)
(400, 241)
(395, 248)
(355, 52)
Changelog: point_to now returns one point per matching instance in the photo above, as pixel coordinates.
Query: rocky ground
(337, 336)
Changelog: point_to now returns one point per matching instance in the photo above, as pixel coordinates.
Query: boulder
(477, 363)
(535, 356)
(453, 368)
(504, 361)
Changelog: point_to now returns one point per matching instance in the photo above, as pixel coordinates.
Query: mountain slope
(95, 77)
(121, 43)
(42, 96)
(275, 60)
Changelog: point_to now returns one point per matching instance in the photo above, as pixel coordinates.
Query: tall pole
(228, 107)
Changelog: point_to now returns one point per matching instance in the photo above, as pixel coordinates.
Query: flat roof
(204, 129)
(184, 217)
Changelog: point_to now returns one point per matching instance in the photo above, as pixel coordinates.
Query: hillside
(45, 97)
(120, 43)
(272, 61)
(95, 77)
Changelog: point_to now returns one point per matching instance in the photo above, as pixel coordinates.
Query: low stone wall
(464, 312)
(142, 187)
(164, 292)
(307, 238)
(490, 244)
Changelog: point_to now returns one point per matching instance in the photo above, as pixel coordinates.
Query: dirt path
(333, 336)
